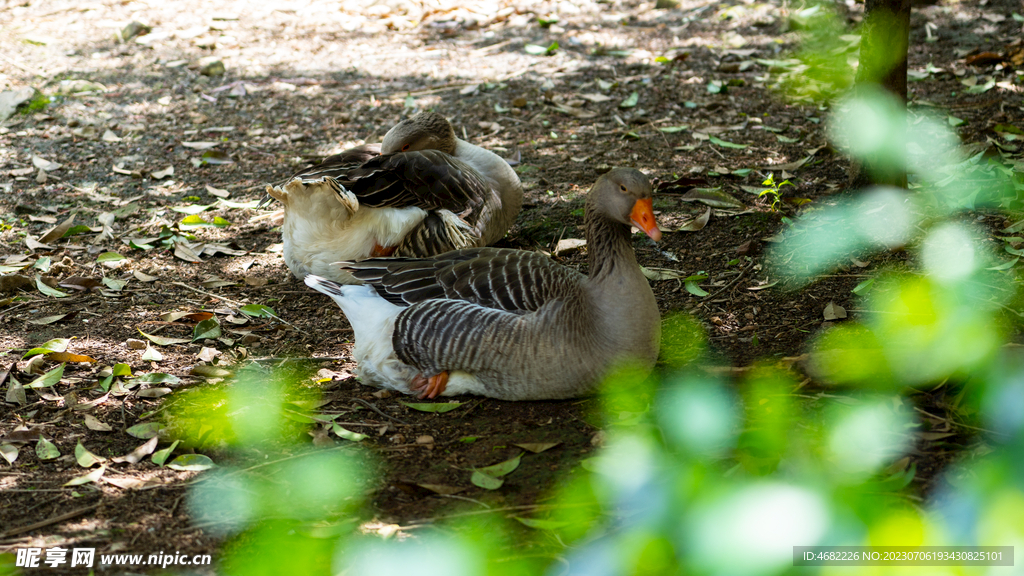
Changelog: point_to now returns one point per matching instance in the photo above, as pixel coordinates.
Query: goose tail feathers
(366, 311)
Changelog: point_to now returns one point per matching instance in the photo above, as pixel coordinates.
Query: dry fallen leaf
(69, 357)
(140, 452)
(697, 223)
(44, 164)
(569, 244)
(208, 354)
(57, 231)
(160, 174)
(92, 423)
(218, 192)
(834, 311)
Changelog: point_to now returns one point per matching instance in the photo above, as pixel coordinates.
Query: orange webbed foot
(431, 387)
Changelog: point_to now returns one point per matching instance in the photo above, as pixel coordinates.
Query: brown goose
(421, 192)
(509, 324)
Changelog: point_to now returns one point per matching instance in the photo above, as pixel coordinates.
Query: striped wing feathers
(497, 278)
(429, 179)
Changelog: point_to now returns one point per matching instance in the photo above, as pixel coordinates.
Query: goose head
(424, 131)
(625, 195)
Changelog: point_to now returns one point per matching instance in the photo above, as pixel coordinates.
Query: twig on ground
(378, 411)
(734, 281)
(50, 521)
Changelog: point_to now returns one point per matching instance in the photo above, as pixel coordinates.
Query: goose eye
(405, 148)
(622, 187)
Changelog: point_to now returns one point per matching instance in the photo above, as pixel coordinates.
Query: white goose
(420, 193)
(509, 324)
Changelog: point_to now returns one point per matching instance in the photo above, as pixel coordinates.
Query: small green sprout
(773, 191)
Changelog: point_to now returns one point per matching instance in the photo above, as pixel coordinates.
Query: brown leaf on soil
(12, 282)
(193, 316)
(81, 283)
(33, 244)
(537, 447)
(22, 436)
(57, 231)
(697, 223)
(983, 59)
(92, 423)
(441, 489)
(185, 253)
(69, 357)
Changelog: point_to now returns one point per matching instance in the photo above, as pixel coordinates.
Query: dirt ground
(304, 79)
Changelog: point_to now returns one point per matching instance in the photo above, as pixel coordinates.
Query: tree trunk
(883, 61)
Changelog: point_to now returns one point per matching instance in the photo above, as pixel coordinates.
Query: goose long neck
(608, 246)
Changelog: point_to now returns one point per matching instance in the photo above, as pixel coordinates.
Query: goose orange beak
(642, 217)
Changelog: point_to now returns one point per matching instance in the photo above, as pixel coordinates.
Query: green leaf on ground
(196, 221)
(207, 329)
(502, 468)
(630, 101)
(348, 434)
(726, 144)
(55, 345)
(258, 311)
(145, 431)
(690, 282)
(161, 341)
(48, 379)
(485, 481)
(109, 257)
(46, 450)
(114, 284)
(85, 458)
(161, 456)
(42, 287)
(191, 462)
(863, 287)
(155, 378)
(77, 229)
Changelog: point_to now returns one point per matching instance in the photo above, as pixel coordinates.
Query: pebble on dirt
(133, 29)
(10, 100)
